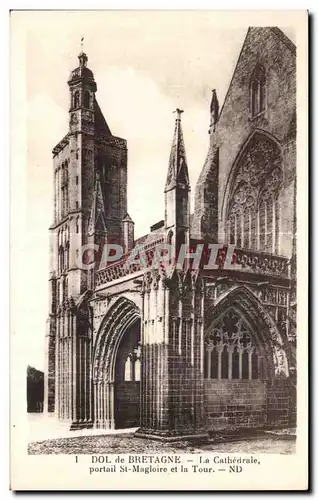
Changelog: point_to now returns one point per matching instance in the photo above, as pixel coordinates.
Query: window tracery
(253, 213)
(230, 352)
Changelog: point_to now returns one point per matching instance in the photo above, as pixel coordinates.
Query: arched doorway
(127, 379)
(116, 374)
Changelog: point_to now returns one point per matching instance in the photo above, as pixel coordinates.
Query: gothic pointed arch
(258, 90)
(250, 204)
(121, 315)
(239, 322)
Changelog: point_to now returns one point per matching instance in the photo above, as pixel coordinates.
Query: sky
(146, 64)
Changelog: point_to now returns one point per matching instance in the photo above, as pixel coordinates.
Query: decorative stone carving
(258, 179)
(230, 330)
(211, 291)
(263, 325)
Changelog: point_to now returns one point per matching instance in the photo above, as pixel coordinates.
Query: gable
(270, 48)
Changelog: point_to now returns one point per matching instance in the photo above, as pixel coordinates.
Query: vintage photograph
(162, 194)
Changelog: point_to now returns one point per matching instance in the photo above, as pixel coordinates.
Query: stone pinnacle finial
(178, 113)
(82, 57)
(214, 111)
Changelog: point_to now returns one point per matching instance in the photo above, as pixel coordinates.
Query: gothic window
(214, 368)
(66, 198)
(241, 223)
(229, 350)
(231, 229)
(225, 363)
(254, 365)
(253, 208)
(77, 225)
(67, 248)
(58, 294)
(267, 208)
(276, 225)
(62, 201)
(137, 370)
(86, 100)
(76, 99)
(61, 258)
(245, 367)
(128, 369)
(262, 214)
(235, 363)
(136, 363)
(133, 366)
(64, 290)
(257, 91)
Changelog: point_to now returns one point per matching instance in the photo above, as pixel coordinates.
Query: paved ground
(46, 427)
(127, 443)
(47, 436)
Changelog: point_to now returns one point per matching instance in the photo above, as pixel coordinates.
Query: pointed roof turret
(214, 111)
(178, 167)
(127, 218)
(97, 220)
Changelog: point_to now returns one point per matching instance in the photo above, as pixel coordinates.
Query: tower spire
(177, 201)
(214, 111)
(97, 220)
(178, 168)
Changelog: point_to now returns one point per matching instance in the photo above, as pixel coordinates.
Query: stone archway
(113, 340)
(273, 341)
(246, 381)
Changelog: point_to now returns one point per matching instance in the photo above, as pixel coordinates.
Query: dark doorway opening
(127, 379)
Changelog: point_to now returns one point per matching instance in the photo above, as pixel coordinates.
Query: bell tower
(90, 205)
(82, 96)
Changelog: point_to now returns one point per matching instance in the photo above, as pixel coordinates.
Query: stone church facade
(180, 351)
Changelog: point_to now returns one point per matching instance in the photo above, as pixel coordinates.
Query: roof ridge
(284, 38)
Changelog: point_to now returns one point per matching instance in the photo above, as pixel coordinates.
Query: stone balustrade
(250, 261)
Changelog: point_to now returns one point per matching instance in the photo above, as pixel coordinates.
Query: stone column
(74, 370)
(107, 407)
(80, 376)
(95, 383)
(170, 344)
(111, 405)
(50, 363)
(58, 368)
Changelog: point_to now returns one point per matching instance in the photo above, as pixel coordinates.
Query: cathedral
(180, 351)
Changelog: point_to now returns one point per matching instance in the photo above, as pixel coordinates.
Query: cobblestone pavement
(130, 444)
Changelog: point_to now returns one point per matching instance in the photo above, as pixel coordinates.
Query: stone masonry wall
(235, 125)
(278, 403)
(230, 404)
(234, 403)
(127, 404)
